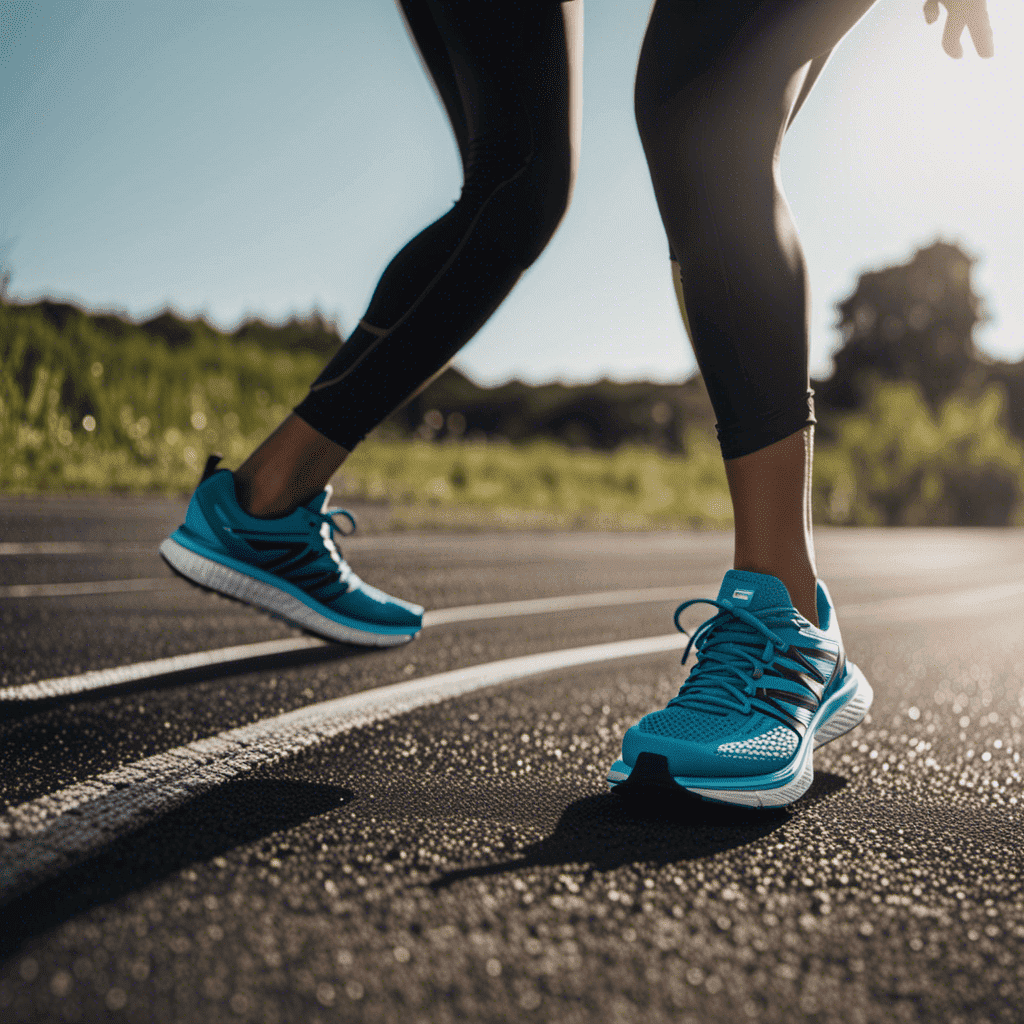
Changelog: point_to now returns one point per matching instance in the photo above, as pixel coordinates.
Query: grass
(539, 484)
(84, 410)
(88, 409)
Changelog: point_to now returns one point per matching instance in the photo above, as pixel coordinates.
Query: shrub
(81, 407)
(86, 404)
(547, 483)
(895, 463)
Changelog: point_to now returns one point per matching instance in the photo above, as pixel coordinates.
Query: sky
(236, 159)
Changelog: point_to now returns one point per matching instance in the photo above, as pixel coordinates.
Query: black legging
(717, 84)
(503, 73)
(716, 88)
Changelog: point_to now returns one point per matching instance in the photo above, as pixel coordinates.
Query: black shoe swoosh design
(796, 708)
(294, 560)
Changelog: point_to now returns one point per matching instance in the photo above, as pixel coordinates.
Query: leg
(287, 469)
(510, 81)
(717, 86)
(771, 499)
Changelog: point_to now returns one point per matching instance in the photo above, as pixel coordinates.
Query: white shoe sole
(225, 580)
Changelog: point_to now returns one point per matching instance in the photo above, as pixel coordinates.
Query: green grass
(80, 409)
(898, 463)
(83, 408)
(156, 411)
(540, 484)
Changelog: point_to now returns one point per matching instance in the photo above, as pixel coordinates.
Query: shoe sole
(275, 598)
(843, 711)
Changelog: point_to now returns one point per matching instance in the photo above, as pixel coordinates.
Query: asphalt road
(462, 860)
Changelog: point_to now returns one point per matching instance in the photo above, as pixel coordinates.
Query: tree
(910, 322)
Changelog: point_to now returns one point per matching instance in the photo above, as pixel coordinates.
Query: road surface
(210, 817)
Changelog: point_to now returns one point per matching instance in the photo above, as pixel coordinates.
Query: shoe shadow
(217, 822)
(609, 831)
(16, 709)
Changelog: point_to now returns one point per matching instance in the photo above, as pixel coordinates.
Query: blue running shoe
(289, 566)
(767, 690)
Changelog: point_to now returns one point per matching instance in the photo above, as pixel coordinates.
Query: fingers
(955, 25)
(981, 31)
(961, 14)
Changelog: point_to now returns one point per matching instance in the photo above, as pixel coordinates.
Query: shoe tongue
(754, 590)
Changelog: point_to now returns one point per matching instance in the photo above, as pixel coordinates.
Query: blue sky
(253, 158)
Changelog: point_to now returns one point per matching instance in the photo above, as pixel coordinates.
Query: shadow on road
(233, 814)
(605, 832)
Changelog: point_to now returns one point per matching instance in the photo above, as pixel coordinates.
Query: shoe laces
(328, 526)
(734, 648)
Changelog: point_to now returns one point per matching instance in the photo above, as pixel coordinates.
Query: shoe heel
(850, 715)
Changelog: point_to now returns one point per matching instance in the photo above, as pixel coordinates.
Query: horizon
(201, 158)
(327, 321)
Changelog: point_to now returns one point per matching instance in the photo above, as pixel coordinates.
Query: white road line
(898, 609)
(574, 602)
(929, 606)
(98, 679)
(72, 547)
(365, 543)
(64, 686)
(79, 589)
(43, 837)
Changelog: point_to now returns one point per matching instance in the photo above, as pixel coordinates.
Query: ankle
(266, 500)
(288, 470)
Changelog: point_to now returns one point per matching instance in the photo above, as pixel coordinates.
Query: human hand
(961, 14)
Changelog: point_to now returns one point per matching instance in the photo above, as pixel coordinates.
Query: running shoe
(767, 690)
(288, 566)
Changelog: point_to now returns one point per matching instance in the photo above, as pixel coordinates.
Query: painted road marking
(366, 543)
(929, 606)
(897, 609)
(64, 686)
(98, 679)
(94, 547)
(43, 837)
(72, 547)
(542, 605)
(78, 589)
(477, 545)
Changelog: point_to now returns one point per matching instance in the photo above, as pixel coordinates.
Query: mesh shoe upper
(761, 673)
(298, 548)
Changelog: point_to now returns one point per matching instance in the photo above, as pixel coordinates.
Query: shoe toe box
(368, 604)
(710, 756)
